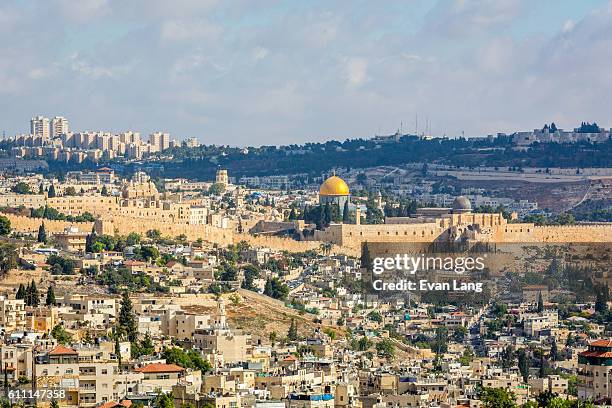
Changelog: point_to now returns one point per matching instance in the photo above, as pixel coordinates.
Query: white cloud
(259, 73)
(568, 26)
(188, 30)
(82, 11)
(260, 53)
(83, 67)
(356, 71)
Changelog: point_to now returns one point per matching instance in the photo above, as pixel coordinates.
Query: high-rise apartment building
(39, 126)
(59, 126)
(159, 141)
(192, 142)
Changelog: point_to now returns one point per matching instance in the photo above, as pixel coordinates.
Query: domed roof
(462, 203)
(334, 186)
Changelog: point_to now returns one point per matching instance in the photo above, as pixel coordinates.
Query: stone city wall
(24, 224)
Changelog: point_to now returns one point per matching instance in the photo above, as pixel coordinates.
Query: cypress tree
(320, 218)
(601, 302)
(42, 233)
(336, 213)
(127, 320)
(540, 303)
(21, 292)
(28, 295)
(292, 334)
(554, 351)
(523, 364)
(292, 215)
(50, 301)
(327, 215)
(118, 349)
(34, 298)
(51, 193)
(345, 213)
(366, 258)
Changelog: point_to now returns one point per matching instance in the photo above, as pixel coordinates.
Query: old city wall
(350, 236)
(574, 233)
(124, 225)
(21, 223)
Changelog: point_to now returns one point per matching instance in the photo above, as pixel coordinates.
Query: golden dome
(334, 186)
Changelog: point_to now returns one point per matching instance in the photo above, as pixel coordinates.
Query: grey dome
(462, 203)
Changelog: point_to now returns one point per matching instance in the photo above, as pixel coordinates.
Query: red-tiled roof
(601, 343)
(160, 368)
(113, 404)
(599, 354)
(61, 350)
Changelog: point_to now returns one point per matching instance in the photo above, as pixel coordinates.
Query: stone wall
(26, 224)
(124, 225)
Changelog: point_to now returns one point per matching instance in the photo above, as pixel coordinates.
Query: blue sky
(280, 72)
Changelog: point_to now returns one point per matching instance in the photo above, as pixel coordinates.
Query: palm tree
(326, 248)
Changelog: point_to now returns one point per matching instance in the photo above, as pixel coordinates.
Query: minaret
(379, 200)
(358, 215)
(221, 323)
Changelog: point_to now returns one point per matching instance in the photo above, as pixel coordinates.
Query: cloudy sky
(279, 72)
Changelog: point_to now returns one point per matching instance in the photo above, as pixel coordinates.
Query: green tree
(187, 359)
(118, 350)
(250, 273)
(21, 188)
(61, 335)
(70, 191)
(98, 247)
(33, 294)
(292, 333)
(362, 344)
(51, 193)
(366, 258)
(164, 401)
(127, 319)
(42, 233)
(540, 303)
(523, 364)
(50, 300)
(143, 348)
(104, 191)
(216, 189)
(292, 215)
(327, 214)
(554, 351)
(276, 289)
(497, 398)
(153, 234)
(149, 253)
(345, 213)
(133, 238)
(5, 225)
(21, 292)
(385, 348)
(601, 301)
